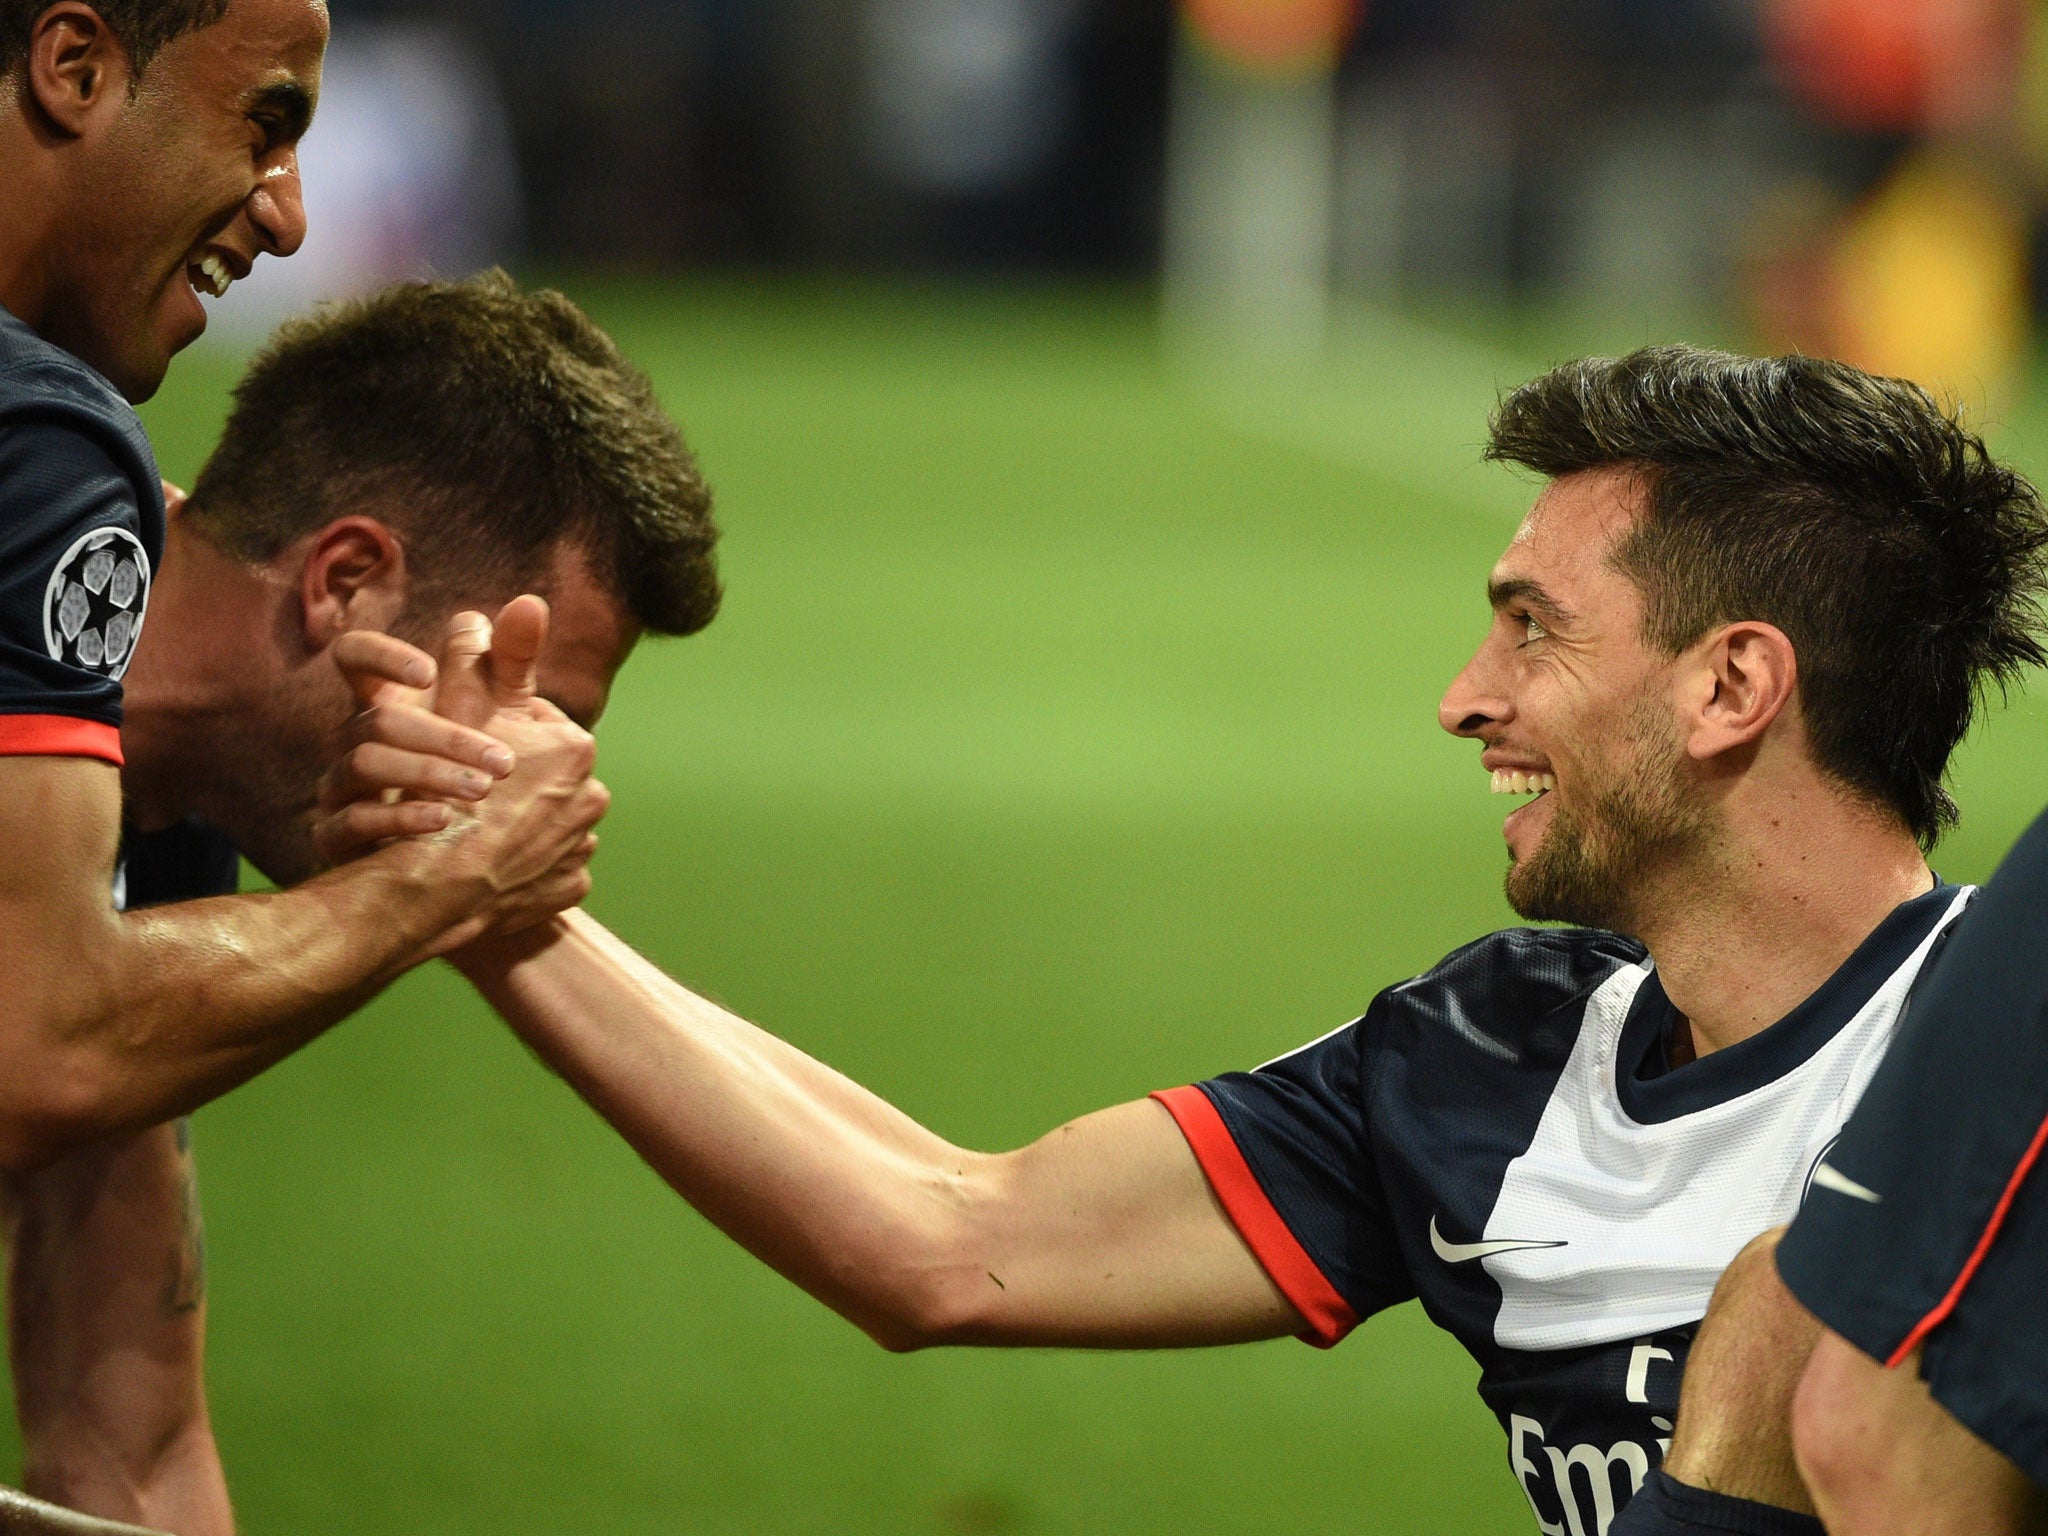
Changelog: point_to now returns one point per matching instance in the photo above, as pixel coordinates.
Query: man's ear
(353, 578)
(1742, 678)
(77, 72)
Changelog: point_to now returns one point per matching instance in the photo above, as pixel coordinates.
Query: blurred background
(1094, 390)
(1861, 177)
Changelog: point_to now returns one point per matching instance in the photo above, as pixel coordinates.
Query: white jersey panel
(1645, 1217)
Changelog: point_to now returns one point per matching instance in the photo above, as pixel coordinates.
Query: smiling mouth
(210, 275)
(1514, 781)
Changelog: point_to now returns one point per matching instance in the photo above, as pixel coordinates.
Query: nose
(1473, 703)
(278, 206)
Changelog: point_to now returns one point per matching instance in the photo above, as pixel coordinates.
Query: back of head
(1904, 563)
(485, 425)
(143, 26)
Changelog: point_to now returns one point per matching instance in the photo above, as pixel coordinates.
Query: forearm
(824, 1181)
(1103, 1233)
(112, 1022)
(106, 1328)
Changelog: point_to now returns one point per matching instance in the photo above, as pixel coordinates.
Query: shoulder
(1532, 969)
(1504, 991)
(47, 396)
(37, 375)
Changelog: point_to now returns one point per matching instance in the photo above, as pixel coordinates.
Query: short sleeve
(74, 587)
(1288, 1153)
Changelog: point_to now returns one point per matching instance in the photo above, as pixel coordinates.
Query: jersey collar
(1650, 1092)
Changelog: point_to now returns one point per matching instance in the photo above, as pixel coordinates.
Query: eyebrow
(1531, 594)
(291, 101)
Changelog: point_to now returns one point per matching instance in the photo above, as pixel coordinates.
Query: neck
(1780, 903)
(26, 204)
(197, 669)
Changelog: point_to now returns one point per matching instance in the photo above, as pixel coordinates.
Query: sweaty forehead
(1565, 540)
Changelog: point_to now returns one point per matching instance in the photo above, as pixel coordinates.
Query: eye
(1533, 629)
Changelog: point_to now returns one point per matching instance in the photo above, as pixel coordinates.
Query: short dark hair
(1904, 563)
(487, 425)
(143, 26)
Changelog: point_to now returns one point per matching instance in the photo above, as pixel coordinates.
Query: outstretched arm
(1104, 1233)
(107, 1328)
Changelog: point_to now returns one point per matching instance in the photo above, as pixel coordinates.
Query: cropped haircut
(486, 425)
(1903, 562)
(143, 26)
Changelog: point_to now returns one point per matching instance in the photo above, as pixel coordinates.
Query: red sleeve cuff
(1265, 1231)
(59, 736)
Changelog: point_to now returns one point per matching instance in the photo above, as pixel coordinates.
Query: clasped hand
(466, 759)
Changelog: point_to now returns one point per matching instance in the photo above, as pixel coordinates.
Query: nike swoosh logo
(1465, 1253)
(1842, 1184)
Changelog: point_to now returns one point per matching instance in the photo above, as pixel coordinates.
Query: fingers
(374, 770)
(465, 692)
(516, 641)
(487, 667)
(380, 667)
(365, 825)
(413, 731)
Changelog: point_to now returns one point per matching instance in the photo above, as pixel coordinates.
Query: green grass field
(1069, 732)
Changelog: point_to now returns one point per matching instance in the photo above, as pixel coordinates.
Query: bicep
(1107, 1233)
(59, 944)
(60, 824)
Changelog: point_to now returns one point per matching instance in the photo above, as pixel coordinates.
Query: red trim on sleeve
(1265, 1231)
(59, 736)
(1939, 1315)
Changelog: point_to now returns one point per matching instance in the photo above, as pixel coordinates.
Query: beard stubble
(1596, 859)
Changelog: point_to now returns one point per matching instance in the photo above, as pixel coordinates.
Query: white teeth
(215, 271)
(1513, 781)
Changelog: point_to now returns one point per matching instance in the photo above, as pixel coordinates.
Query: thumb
(465, 692)
(516, 641)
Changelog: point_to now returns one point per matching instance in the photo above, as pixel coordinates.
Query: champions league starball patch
(93, 607)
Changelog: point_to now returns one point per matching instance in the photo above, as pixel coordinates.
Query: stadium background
(1069, 731)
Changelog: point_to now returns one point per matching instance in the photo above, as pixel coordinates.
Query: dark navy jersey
(181, 863)
(81, 531)
(1503, 1139)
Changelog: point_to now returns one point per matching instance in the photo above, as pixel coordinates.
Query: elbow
(53, 1104)
(896, 1336)
(944, 1304)
(902, 1313)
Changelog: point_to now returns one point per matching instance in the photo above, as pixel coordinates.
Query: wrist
(421, 895)
(492, 957)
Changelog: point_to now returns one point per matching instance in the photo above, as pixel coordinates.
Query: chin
(138, 378)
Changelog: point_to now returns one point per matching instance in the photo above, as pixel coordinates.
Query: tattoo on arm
(187, 1290)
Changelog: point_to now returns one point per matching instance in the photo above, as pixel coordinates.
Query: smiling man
(1733, 645)
(149, 149)
(145, 147)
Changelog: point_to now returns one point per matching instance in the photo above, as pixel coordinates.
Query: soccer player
(387, 463)
(150, 154)
(1733, 645)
